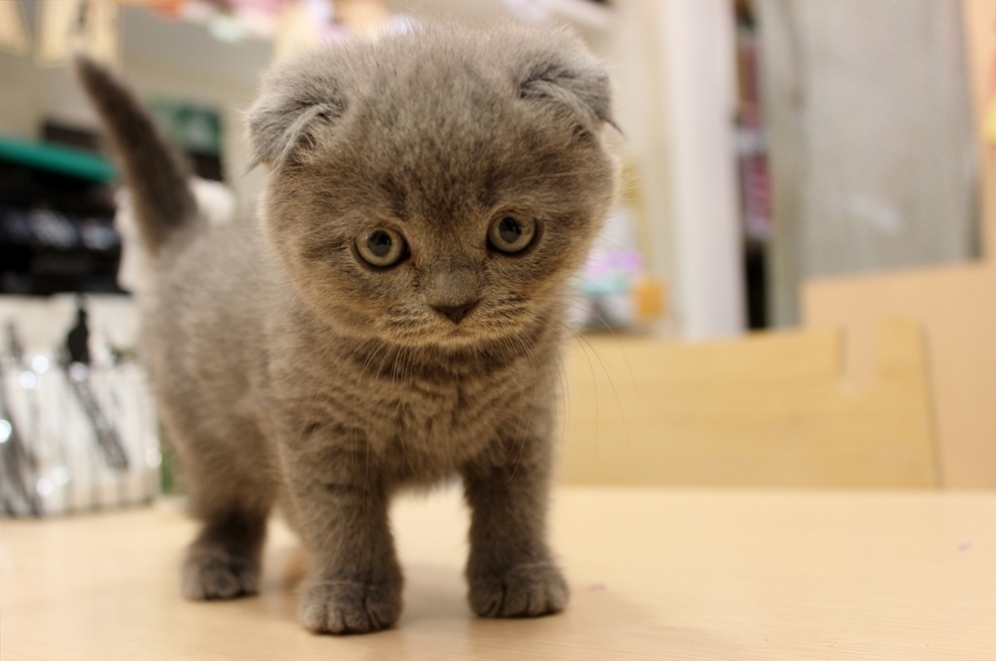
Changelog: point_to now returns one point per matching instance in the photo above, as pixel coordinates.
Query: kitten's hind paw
(526, 591)
(213, 573)
(343, 607)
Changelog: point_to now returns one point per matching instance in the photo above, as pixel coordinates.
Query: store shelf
(60, 160)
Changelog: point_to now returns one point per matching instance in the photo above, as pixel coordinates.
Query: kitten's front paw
(341, 607)
(526, 591)
(213, 573)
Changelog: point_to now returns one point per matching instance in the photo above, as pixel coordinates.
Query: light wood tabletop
(656, 574)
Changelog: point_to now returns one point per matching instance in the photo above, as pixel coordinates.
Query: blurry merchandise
(94, 26)
(56, 220)
(751, 143)
(752, 166)
(57, 206)
(614, 291)
(197, 129)
(65, 26)
(77, 426)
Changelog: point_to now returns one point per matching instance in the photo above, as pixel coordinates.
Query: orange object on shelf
(649, 298)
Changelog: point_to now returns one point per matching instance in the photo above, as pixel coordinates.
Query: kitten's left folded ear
(298, 99)
(564, 72)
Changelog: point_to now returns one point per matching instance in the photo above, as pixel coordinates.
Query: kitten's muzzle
(456, 313)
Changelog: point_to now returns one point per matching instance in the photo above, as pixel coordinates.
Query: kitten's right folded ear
(554, 67)
(290, 110)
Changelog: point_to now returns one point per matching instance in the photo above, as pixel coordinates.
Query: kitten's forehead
(433, 77)
(436, 114)
(440, 124)
(420, 92)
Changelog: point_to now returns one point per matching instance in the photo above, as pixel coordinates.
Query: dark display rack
(56, 220)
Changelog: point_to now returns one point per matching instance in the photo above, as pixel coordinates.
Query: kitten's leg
(231, 491)
(341, 510)
(510, 571)
(223, 561)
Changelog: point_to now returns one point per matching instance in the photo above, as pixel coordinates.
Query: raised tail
(156, 174)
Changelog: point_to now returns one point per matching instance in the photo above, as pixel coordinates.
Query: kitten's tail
(157, 175)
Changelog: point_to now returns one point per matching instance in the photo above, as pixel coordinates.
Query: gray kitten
(394, 318)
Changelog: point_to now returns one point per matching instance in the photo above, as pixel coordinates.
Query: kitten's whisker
(586, 345)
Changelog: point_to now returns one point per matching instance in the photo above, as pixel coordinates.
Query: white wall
(697, 38)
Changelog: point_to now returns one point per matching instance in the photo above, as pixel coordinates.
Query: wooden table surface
(656, 574)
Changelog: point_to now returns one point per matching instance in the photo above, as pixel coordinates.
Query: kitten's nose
(456, 313)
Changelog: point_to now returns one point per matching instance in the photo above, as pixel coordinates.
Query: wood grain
(656, 574)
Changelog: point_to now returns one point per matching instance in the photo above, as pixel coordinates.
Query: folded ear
(292, 107)
(567, 75)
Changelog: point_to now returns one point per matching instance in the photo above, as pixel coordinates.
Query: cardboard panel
(957, 308)
(771, 409)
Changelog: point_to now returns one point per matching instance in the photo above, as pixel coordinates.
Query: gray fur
(286, 369)
(156, 174)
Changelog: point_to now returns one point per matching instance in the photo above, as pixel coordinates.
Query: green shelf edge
(55, 158)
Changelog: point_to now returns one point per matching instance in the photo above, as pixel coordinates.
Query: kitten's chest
(436, 424)
(417, 419)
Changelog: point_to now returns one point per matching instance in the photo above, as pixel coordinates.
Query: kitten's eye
(381, 247)
(511, 235)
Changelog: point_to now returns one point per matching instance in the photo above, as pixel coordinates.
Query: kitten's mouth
(437, 331)
(462, 335)
(461, 332)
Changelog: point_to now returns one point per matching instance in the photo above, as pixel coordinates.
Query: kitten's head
(436, 188)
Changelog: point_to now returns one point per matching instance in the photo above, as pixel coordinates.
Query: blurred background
(766, 141)
(804, 169)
